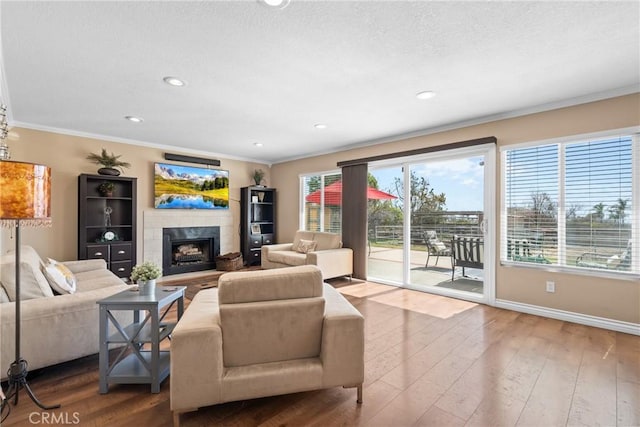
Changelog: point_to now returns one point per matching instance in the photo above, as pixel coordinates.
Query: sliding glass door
(437, 234)
(446, 224)
(384, 225)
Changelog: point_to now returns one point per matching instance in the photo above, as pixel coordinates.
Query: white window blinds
(570, 204)
(321, 196)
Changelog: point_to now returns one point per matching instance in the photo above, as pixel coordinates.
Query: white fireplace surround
(154, 220)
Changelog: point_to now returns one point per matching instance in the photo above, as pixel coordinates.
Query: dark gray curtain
(354, 216)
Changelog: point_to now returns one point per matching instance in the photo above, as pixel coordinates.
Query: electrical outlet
(551, 286)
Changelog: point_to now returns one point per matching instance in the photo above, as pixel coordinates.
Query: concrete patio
(386, 264)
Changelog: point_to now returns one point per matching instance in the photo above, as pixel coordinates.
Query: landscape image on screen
(188, 187)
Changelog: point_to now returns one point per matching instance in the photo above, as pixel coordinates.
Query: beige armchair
(311, 248)
(264, 333)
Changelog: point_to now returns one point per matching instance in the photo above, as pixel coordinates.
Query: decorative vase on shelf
(109, 171)
(258, 176)
(147, 287)
(111, 164)
(106, 189)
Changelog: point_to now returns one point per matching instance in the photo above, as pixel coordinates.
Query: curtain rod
(418, 151)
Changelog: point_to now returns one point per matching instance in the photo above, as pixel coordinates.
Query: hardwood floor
(430, 361)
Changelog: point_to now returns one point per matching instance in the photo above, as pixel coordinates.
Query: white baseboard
(583, 319)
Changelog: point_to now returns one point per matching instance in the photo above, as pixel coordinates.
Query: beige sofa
(54, 328)
(264, 333)
(328, 254)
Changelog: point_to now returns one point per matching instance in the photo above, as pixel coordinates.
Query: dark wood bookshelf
(257, 221)
(93, 226)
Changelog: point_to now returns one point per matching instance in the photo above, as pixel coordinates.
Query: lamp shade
(25, 194)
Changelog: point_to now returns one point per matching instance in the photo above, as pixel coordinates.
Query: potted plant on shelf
(145, 276)
(258, 176)
(106, 189)
(110, 163)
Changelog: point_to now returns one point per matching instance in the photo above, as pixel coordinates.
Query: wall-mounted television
(189, 187)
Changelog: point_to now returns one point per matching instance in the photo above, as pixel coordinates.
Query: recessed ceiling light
(320, 126)
(427, 94)
(258, 144)
(174, 81)
(278, 4)
(134, 119)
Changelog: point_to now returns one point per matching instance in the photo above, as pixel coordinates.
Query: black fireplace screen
(188, 249)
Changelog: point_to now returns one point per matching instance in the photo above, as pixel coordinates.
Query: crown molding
(133, 142)
(622, 91)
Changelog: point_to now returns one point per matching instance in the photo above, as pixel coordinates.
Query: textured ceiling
(256, 74)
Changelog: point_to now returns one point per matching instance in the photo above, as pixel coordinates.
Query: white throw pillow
(440, 246)
(33, 284)
(61, 279)
(306, 246)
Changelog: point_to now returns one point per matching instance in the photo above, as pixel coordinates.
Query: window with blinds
(570, 204)
(321, 196)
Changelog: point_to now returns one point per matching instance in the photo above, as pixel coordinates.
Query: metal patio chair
(434, 246)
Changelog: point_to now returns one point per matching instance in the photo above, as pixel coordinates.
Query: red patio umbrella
(333, 194)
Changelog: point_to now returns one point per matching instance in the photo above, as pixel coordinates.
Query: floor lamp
(25, 200)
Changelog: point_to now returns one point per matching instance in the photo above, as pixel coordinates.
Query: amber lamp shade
(25, 194)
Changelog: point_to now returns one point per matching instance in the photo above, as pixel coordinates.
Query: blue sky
(460, 179)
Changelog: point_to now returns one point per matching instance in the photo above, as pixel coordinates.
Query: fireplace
(188, 249)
